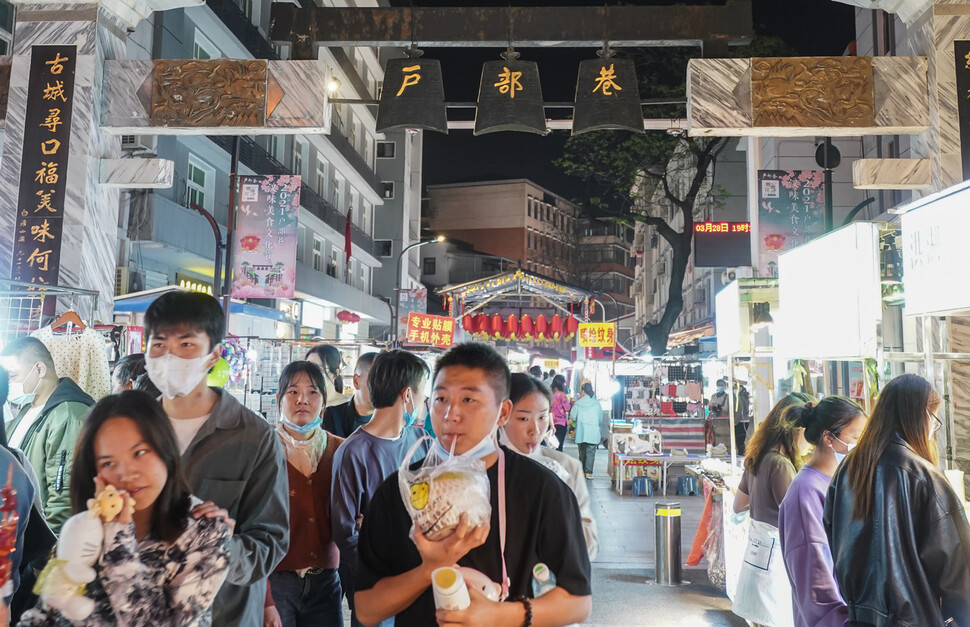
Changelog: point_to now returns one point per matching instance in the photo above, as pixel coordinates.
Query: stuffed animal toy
(62, 584)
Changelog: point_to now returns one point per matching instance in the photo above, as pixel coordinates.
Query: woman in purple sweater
(833, 426)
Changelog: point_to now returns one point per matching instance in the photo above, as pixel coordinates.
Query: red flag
(347, 236)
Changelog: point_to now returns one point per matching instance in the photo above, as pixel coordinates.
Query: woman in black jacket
(899, 535)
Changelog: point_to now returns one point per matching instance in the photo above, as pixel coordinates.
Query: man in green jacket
(48, 424)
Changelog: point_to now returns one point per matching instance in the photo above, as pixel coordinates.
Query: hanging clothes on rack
(81, 356)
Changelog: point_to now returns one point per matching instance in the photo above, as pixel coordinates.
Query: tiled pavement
(625, 562)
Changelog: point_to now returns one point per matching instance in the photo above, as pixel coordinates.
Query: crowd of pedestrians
(225, 519)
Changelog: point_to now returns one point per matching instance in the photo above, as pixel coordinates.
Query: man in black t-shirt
(543, 523)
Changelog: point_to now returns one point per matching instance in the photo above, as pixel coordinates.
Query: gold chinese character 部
(57, 63)
(50, 147)
(41, 233)
(508, 82)
(409, 78)
(607, 81)
(55, 91)
(47, 173)
(39, 257)
(53, 119)
(45, 201)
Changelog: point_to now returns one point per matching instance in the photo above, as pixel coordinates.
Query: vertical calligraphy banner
(961, 51)
(264, 243)
(791, 207)
(43, 171)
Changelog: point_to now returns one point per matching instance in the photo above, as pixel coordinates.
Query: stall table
(663, 460)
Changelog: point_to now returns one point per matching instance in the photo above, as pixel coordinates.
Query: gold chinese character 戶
(41, 233)
(409, 79)
(53, 119)
(47, 173)
(57, 63)
(55, 91)
(606, 81)
(509, 82)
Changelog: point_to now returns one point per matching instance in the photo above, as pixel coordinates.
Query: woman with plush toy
(135, 552)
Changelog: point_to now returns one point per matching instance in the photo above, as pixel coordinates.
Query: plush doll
(62, 584)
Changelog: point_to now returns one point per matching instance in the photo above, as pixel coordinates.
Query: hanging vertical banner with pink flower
(791, 211)
(264, 243)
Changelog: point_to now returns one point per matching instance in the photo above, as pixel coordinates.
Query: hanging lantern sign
(467, 323)
(512, 327)
(556, 326)
(526, 328)
(607, 96)
(542, 327)
(510, 97)
(497, 326)
(413, 96)
(481, 324)
(572, 325)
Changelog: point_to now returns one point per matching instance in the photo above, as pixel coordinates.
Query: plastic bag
(442, 489)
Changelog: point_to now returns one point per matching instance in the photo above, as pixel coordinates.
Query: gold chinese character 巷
(50, 147)
(55, 91)
(509, 82)
(47, 173)
(53, 119)
(409, 79)
(57, 63)
(607, 81)
(42, 233)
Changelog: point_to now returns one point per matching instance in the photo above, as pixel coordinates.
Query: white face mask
(16, 393)
(840, 457)
(176, 376)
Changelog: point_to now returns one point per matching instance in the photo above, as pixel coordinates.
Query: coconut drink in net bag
(443, 488)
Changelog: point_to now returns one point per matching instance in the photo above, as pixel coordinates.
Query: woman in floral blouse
(163, 564)
(560, 408)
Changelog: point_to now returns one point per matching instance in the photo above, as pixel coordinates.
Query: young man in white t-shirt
(230, 456)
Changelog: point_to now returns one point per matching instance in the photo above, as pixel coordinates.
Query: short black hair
(296, 367)
(525, 384)
(535, 371)
(145, 384)
(129, 367)
(29, 349)
(192, 310)
(482, 357)
(171, 509)
(393, 371)
(366, 360)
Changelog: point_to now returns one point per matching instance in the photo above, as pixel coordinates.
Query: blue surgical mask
(301, 429)
(409, 419)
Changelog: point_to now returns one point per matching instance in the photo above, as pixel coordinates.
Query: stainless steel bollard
(667, 570)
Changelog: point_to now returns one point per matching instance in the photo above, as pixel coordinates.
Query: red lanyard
(501, 520)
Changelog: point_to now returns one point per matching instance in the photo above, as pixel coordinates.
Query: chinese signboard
(438, 331)
(607, 96)
(597, 334)
(415, 301)
(961, 51)
(265, 238)
(790, 212)
(413, 96)
(510, 98)
(43, 173)
(722, 244)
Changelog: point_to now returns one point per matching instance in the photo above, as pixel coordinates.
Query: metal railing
(243, 28)
(347, 150)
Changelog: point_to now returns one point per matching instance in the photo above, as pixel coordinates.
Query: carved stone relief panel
(812, 92)
(209, 93)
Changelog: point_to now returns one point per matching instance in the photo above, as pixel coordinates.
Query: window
(332, 263)
(317, 253)
(199, 182)
(365, 217)
(273, 146)
(430, 266)
(249, 8)
(203, 48)
(384, 247)
(300, 242)
(300, 148)
(363, 277)
(387, 190)
(338, 184)
(386, 150)
(528, 207)
(321, 176)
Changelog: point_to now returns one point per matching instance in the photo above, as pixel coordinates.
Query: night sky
(810, 27)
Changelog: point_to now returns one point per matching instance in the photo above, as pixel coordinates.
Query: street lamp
(397, 286)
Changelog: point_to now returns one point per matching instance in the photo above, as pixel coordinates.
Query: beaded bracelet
(527, 602)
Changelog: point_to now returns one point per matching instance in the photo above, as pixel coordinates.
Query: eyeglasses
(939, 423)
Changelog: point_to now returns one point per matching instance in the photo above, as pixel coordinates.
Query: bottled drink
(543, 580)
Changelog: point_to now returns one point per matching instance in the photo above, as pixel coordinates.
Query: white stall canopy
(830, 296)
(733, 310)
(936, 251)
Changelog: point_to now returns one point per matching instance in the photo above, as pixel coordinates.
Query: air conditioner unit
(661, 268)
(137, 144)
(121, 281)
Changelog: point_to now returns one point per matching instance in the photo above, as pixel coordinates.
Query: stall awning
(138, 302)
